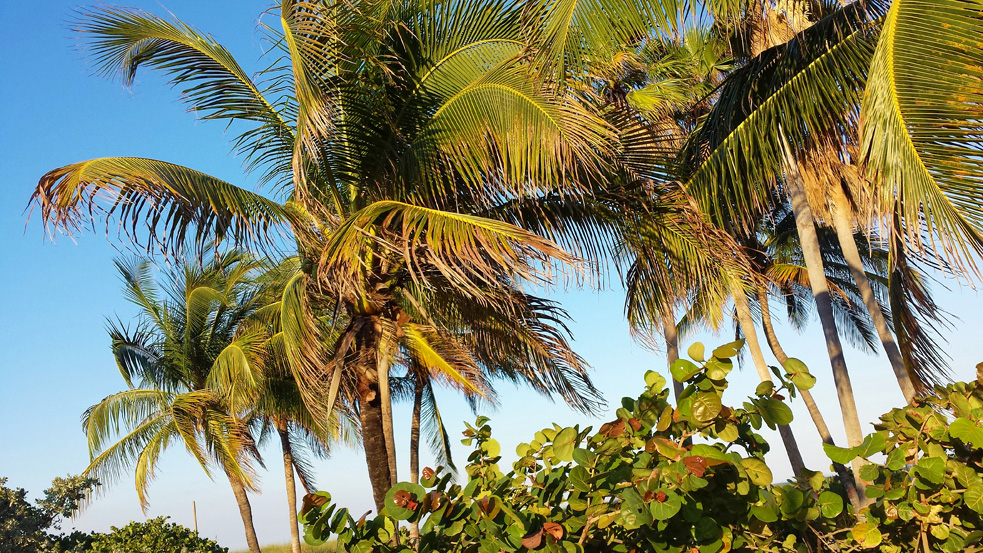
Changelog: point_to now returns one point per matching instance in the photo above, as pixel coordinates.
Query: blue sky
(56, 296)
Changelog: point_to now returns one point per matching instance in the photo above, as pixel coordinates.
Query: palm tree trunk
(843, 222)
(415, 449)
(246, 512)
(817, 417)
(809, 241)
(751, 339)
(672, 346)
(288, 473)
(374, 440)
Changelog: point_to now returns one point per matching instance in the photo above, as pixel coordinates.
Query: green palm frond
(212, 83)
(922, 125)
(432, 424)
(452, 364)
(575, 32)
(154, 197)
(735, 155)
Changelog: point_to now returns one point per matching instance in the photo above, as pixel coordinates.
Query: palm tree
(191, 363)
(847, 64)
(415, 148)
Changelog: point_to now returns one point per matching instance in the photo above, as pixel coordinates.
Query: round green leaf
(757, 471)
(655, 380)
(765, 388)
(803, 381)
(564, 444)
(831, 504)
(491, 448)
(967, 431)
(706, 406)
(398, 512)
(682, 370)
(727, 351)
(664, 510)
(867, 534)
(973, 498)
(729, 433)
(696, 352)
(775, 411)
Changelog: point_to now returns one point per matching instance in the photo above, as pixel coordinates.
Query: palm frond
(922, 125)
(736, 154)
(156, 198)
(212, 83)
(469, 252)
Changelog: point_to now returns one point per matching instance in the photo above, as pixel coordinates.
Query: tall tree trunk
(374, 440)
(809, 241)
(843, 222)
(288, 473)
(246, 512)
(672, 346)
(751, 339)
(817, 417)
(415, 449)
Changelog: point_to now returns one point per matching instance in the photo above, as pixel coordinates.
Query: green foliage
(153, 536)
(24, 527)
(929, 488)
(640, 482)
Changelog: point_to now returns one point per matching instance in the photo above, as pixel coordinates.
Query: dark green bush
(153, 536)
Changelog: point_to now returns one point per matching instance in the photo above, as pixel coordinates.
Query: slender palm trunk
(817, 417)
(809, 241)
(415, 448)
(288, 473)
(672, 347)
(843, 222)
(751, 339)
(374, 440)
(246, 511)
(387, 420)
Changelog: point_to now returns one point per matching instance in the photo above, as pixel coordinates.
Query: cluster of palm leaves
(430, 161)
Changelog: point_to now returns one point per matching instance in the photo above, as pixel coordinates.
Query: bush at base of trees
(691, 478)
(153, 536)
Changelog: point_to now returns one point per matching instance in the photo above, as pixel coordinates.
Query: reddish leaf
(532, 541)
(553, 529)
(696, 465)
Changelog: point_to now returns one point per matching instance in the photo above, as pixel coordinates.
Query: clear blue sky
(56, 296)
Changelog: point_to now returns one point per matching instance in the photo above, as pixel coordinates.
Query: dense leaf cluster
(660, 477)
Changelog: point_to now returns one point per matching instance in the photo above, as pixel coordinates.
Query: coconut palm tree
(413, 149)
(191, 364)
(847, 65)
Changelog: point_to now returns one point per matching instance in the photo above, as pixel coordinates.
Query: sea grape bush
(685, 479)
(928, 489)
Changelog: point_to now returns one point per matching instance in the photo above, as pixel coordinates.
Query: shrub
(690, 479)
(153, 536)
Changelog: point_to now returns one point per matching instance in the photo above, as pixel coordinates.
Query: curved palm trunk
(751, 339)
(843, 222)
(809, 241)
(672, 347)
(246, 511)
(817, 417)
(288, 473)
(415, 450)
